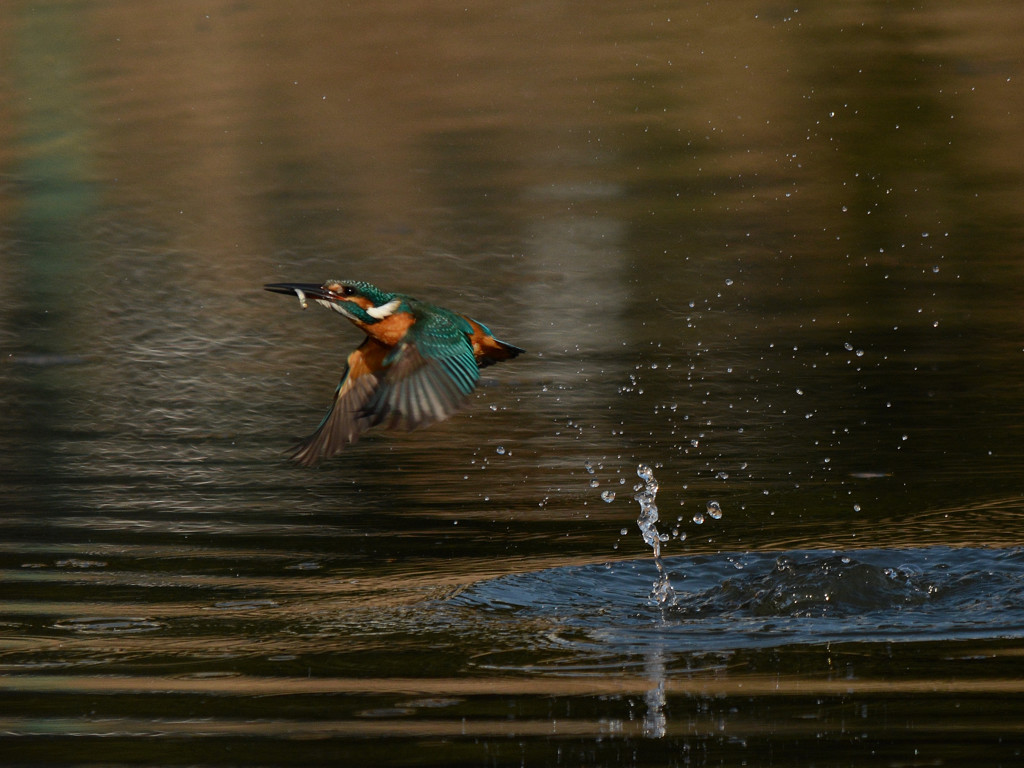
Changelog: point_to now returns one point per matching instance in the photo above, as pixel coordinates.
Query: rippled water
(735, 601)
(772, 254)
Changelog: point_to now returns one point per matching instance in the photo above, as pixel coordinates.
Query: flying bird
(417, 365)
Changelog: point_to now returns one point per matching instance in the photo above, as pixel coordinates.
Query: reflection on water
(773, 255)
(756, 645)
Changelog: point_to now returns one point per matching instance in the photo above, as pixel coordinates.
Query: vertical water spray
(647, 492)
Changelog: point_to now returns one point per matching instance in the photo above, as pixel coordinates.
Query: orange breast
(390, 330)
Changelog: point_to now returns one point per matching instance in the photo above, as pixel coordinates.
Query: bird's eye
(340, 289)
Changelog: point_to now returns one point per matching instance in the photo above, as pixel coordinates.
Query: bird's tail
(487, 349)
(497, 351)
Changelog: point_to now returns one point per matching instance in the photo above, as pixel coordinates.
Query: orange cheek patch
(360, 301)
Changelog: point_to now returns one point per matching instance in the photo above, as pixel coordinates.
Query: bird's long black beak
(302, 290)
(291, 289)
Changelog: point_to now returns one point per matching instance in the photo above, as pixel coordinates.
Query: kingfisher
(417, 365)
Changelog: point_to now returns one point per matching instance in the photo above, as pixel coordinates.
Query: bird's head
(358, 301)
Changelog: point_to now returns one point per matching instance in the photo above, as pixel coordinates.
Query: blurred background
(772, 252)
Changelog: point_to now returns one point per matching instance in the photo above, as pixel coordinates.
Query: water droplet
(589, 467)
(848, 347)
(624, 532)
(698, 518)
(595, 483)
(608, 496)
(645, 473)
(856, 507)
(500, 450)
(715, 510)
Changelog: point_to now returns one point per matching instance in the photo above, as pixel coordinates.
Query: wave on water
(764, 599)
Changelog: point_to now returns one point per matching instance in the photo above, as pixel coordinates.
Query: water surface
(773, 253)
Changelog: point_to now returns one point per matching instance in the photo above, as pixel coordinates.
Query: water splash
(661, 593)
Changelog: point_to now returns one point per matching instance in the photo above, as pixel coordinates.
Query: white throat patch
(334, 305)
(384, 310)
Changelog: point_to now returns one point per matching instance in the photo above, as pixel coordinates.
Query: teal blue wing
(429, 375)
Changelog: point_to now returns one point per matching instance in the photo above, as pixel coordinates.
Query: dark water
(772, 252)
